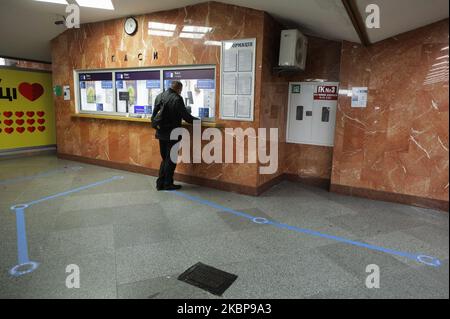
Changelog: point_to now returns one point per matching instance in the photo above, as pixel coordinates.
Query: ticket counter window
(199, 90)
(137, 91)
(96, 92)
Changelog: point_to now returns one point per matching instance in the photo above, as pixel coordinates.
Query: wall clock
(131, 26)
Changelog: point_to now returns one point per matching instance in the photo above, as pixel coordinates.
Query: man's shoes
(172, 187)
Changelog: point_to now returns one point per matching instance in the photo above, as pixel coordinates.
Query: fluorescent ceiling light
(98, 4)
(196, 29)
(442, 57)
(216, 43)
(192, 35)
(445, 48)
(2, 61)
(54, 1)
(162, 26)
(160, 33)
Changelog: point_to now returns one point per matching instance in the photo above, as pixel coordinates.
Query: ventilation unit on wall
(293, 49)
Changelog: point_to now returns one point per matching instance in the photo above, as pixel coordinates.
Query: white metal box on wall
(312, 113)
(293, 49)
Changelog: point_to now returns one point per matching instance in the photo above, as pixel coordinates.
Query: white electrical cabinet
(312, 113)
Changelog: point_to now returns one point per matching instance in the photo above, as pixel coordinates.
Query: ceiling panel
(399, 16)
(28, 26)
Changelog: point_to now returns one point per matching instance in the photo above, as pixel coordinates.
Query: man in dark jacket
(173, 113)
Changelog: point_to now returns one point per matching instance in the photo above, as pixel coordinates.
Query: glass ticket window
(137, 91)
(96, 92)
(199, 90)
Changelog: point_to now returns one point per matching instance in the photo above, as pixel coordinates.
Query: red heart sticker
(9, 122)
(7, 114)
(41, 113)
(41, 128)
(20, 130)
(19, 114)
(30, 114)
(9, 130)
(30, 121)
(31, 129)
(20, 122)
(31, 91)
(41, 121)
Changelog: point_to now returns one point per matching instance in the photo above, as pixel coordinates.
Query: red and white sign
(327, 93)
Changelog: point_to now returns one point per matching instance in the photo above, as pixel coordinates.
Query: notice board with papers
(238, 80)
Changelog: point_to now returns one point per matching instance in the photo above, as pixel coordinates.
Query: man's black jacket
(174, 112)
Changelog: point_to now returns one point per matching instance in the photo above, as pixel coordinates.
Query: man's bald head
(177, 86)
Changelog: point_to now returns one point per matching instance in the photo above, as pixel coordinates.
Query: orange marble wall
(92, 46)
(274, 93)
(399, 143)
(311, 161)
(323, 62)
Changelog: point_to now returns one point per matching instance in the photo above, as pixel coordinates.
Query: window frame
(113, 71)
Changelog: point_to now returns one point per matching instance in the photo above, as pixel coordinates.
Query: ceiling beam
(24, 59)
(357, 20)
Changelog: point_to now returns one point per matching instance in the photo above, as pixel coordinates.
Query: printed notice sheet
(238, 80)
(245, 61)
(229, 84)
(230, 61)
(229, 106)
(245, 84)
(244, 107)
(359, 97)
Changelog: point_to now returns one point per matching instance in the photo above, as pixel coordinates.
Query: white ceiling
(28, 26)
(399, 16)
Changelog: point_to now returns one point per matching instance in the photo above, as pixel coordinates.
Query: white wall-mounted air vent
(293, 49)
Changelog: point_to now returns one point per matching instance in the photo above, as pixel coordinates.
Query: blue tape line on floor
(22, 244)
(79, 189)
(427, 260)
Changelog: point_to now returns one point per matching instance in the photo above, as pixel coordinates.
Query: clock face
(131, 26)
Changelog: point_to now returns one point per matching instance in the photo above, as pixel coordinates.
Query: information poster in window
(96, 92)
(199, 90)
(137, 91)
(238, 80)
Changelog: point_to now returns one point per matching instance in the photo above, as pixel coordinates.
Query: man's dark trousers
(167, 168)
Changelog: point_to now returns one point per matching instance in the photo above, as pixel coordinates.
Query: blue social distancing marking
(25, 265)
(426, 260)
